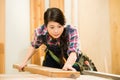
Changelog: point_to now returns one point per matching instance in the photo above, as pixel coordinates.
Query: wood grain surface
(50, 72)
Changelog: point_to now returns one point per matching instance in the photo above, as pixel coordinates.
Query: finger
(21, 68)
(65, 69)
(71, 69)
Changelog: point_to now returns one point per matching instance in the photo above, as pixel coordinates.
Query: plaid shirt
(72, 34)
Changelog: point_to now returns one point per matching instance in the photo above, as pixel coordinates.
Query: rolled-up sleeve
(37, 40)
(73, 42)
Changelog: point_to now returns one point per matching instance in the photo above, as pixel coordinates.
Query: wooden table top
(41, 77)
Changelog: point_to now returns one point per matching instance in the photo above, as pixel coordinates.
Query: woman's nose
(56, 30)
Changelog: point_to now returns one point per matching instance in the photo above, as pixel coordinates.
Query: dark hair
(54, 14)
(64, 46)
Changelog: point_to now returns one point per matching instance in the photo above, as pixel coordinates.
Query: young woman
(62, 48)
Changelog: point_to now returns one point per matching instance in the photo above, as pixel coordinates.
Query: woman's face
(55, 29)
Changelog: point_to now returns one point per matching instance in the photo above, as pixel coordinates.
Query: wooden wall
(57, 3)
(115, 34)
(37, 8)
(2, 35)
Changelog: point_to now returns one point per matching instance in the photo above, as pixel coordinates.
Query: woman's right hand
(21, 67)
(28, 56)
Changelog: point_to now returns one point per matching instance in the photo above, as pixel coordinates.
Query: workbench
(41, 77)
(36, 72)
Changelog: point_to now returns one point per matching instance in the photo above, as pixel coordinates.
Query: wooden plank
(115, 34)
(2, 59)
(50, 72)
(1, 48)
(2, 21)
(2, 64)
(2, 36)
(57, 3)
(37, 8)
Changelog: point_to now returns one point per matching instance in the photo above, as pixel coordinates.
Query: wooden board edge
(57, 74)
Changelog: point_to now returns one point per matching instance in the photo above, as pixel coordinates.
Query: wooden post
(37, 8)
(115, 34)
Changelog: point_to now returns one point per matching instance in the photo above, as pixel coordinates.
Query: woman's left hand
(68, 68)
(70, 61)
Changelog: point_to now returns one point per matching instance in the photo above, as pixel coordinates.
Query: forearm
(29, 54)
(71, 59)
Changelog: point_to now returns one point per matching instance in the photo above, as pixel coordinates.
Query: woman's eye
(59, 26)
(52, 27)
